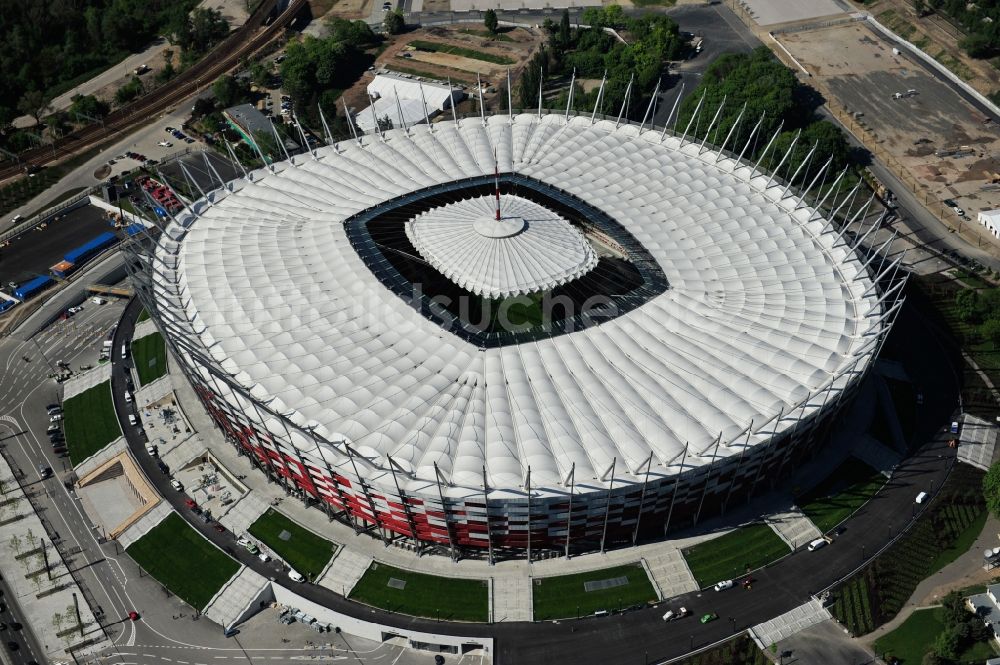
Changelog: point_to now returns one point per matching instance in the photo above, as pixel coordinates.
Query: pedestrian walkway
(978, 442)
(785, 625)
(243, 592)
(879, 457)
(145, 524)
(144, 329)
(113, 449)
(243, 512)
(84, 382)
(793, 527)
(345, 570)
(669, 571)
(512, 599)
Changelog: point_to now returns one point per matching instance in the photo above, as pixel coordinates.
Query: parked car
(177, 485)
(723, 585)
(295, 576)
(165, 144)
(818, 543)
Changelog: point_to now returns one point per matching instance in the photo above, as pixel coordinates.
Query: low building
(991, 220)
(404, 99)
(248, 121)
(987, 607)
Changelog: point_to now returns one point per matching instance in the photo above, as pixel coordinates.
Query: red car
(190, 503)
(133, 616)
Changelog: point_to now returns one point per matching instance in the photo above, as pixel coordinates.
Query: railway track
(244, 41)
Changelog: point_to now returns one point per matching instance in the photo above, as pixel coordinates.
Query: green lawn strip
(843, 492)
(435, 47)
(916, 636)
(150, 356)
(498, 37)
(90, 422)
(304, 550)
(183, 561)
(143, 316)
(431, 596)
(729, 556)
(566, 596)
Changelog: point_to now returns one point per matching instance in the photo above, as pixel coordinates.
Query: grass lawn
(916, 635)
(90, 422)
(184, 562)
(843, 492)
(150, 356)
(446, 598)
(143, 315)
(435, 47)
(731, 555)
(303, 550)
(566, 596)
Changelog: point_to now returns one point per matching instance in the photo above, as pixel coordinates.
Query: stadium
(519, 335)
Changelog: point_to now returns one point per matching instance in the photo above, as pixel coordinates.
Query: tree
(129, 91)
(990, 331)
(491, 22)
(227, 91)
(88, 105)
(355, 33)
(259, 73)
(564, 38)
(991, 489)
(967, 305)
(33, 103)
(393, 24)
(168, 71)
(202, 107)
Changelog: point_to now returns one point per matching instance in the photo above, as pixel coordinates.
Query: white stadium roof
(766, 306)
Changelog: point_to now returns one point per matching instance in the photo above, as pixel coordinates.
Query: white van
(132, 420)
(128, 396)
(818, 543)
(124, 351)
(921, 497)
(98, 301)
(107, 345)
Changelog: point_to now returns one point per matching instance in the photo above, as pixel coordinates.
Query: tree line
(52, 45)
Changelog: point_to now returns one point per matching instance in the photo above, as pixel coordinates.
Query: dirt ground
(936, 36)
(442, 66)
(853, 67)
(349, 9)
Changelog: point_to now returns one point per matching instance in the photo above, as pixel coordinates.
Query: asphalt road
(13, 634)
(641, 635)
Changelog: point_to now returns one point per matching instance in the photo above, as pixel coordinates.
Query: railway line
(239, 44)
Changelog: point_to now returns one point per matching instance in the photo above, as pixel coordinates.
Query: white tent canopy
(385, 89)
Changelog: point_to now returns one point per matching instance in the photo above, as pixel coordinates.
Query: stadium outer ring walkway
(641, 635)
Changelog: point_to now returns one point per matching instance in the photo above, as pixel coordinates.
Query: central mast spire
(496, 180)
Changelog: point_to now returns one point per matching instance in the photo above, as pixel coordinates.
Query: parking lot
(34, 252)
(936, 135)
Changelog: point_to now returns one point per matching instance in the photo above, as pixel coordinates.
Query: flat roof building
(247, 120)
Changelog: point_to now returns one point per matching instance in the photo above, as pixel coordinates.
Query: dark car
(162, 467)
(13, 646)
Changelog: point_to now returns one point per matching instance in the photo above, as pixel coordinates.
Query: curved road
(642, 636)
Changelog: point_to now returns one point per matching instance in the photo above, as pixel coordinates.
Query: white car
(74, 310)
(151, 449)
(263, 557)
(295, 576)
(55, 417)
(165, 144)
(723, 585)
(818, 543)
(177, 485)
(98, 301)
